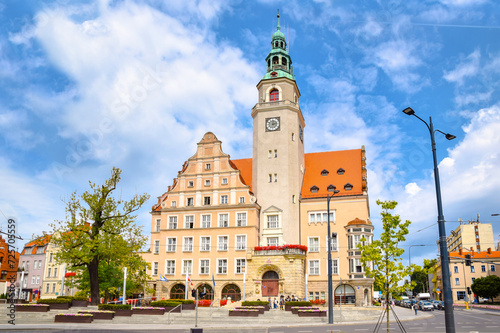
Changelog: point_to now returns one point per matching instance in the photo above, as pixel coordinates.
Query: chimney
(489, 250)
(460, 251)
(471, 249)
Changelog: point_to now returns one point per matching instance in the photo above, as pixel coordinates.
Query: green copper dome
(279, 63)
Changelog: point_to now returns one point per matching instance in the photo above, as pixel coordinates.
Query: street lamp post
(409, 252)
(443, 251)
(330, 283)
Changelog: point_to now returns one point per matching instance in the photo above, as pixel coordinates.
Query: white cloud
(412, 188)
(463, 3)
(469, 67)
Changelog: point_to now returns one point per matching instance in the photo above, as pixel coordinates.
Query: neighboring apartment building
(8, 266)
(483, 263)
(471, 234)
(31, 268)
(243, 226)
(53, 276)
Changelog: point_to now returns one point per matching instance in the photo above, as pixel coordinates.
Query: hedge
(254, 303)
(114, 306)
(182, 301)
(75, 298)
(164, 303)
(300, 303)
(54, 301)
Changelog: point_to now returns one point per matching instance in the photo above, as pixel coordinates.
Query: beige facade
(53, 276)
(472, 235)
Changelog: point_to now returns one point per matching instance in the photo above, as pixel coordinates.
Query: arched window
(231, 290)
(276, 60)
(207, 289)
(177, 291)
(284, 62)
(274, 95)
(345, 294)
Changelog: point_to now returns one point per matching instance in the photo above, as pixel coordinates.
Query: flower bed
(243, 313)
(204, 303)
(148, 310)
(265, 304)
(258, 308)
(106, 315)
(296, 309)
(288, 305)
(73, 318)
(56, 303)
(312, 313)
(121, 310)
(32, 307)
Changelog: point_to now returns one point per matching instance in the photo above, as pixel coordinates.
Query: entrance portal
(270, 284)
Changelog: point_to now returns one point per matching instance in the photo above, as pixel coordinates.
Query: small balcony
(279, 250)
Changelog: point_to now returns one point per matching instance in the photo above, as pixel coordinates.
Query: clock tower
(278, 148)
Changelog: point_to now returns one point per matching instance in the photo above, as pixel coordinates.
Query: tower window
(270, 154)
(274, 95)
(275, 177)
(270, 178)
(276, 59)
(275, 153)
(284, 62)
(293, 136)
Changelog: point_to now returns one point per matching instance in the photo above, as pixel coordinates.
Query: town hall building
(257, 227)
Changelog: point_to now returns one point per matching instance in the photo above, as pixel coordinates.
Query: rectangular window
(272, 221)
(455, 269)
(224, 181)
(221, 266)
(483, 268)
(190, 183)
(205, 244)
(206, 201)
(37, 280)
(223, 199)
(206, 221)
(240, 266)
(241, 219)
(270, 177)
(319, 217)
(187, 244)
(313, 244)
(460, 295)
(55, 271)
(47, 288)
(190, 202)
(275, 153)
(171, 244)
(204, 266)
(156, 249)
(33, 279)
(172, 222)
(275, 177)
(335, 266)
(492, 268)
(356, 241)
(313, 267)
(189, 222)
(272, 241)
(457, 281)
(207, 182)
(170, 267)
(208, 166)
(223, 220)
(27, 265)
(158, 222)
(270, 154)
(241, 242)
(49, 271)
(242, 200)
(473, 280)
(155, 268)
(187, 266)
(51, 256)
(53, 288)
(39, 264)
(472, 269)
(293, 198)
(333, 242)
(358, 267)
(174, 203)
(222, 243)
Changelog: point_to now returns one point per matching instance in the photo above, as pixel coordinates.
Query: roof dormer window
(340, 171)
(331, 188)
(314, 189)
(348, 187)
(325, 172)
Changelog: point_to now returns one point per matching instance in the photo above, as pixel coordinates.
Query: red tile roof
(245, 167)
(476, 255)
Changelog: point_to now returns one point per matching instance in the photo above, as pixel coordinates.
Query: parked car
(435, 303)
(425, 306)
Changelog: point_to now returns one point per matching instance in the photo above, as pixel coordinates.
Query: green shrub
(64, 297)
(254, 303)
(300, 303)
(54, 301)
(182, 301)
(164, 303)
(80, 298)
(114, 306)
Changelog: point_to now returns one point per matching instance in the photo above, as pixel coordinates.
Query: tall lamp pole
(443, 251)
(330, 283)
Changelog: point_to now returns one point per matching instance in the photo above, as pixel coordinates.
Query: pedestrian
(282, 303)
(270, 303)
(415, 307)
(275, 303)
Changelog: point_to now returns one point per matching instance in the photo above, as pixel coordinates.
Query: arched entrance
(206, 288)
(178, 291)
(270, 284)
(345, 294)
(231, 290)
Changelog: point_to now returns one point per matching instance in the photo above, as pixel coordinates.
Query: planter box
(59, 306)
(102, 315)
(20, 308)
(79, 303)
(123, 312)
(260, 309)
(188, 306)
(169, 308)
(295, 310)
(312, 314)
(157, 311)
(243, 313)
(73, 319)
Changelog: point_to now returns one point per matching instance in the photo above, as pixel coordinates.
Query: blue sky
(87, 85)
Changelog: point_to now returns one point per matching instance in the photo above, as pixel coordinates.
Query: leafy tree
(487, 287)
(99, 229)
(420, 275)
(382, 259)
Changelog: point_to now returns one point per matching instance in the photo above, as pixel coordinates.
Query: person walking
(275, 303)
(415, 307)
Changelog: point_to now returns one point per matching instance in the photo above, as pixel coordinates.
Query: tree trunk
(93, 269)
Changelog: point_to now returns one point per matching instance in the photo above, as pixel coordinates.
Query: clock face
(272, 124)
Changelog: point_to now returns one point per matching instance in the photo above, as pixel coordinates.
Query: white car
(426, 306)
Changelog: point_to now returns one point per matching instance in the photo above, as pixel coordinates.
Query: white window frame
(55, 271)
(171, 247)
(224, 199)
(457, 281)
(219, 220)
(203, 268)
(172, 223)
(310, 246)
(314, 270)
(334, 245)
(203, 246)
(154, 268)
(241, 200)
(158, 225)
(207, 182)
(208, 166)
(186, 221)
(222, 246)
(190, 200)
(204, 221)
(238, 268)
(335, 266)
(272, 244)
(224, 268)
(37, 280)
(273, 224)
(189, 267)
(190, 183)
(53, 288)
(186, 245)
(156, 247)
(240, 246)
(321, 216)
(224, 181)
(49, 271)
(39, 264)
(169, 269)
(173, 203)
(207, 200)
(240, 222)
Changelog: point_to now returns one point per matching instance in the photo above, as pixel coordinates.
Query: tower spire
(278, 27)
(279, 63)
